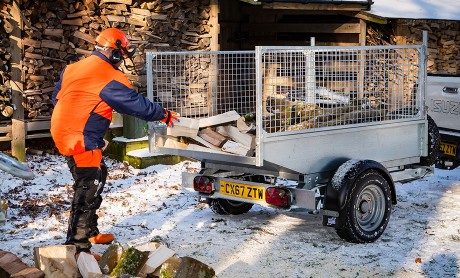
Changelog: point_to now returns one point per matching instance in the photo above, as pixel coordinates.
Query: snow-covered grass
(421, 240)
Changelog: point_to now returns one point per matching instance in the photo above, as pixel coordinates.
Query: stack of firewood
(186, 88)
(57, 33)
(5, 64)
(227, 133)
(153, 259)
(443, 41)
(443, 44)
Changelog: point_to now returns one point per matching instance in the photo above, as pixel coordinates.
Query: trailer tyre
(367, 210)
(223, 206)
(434, 141)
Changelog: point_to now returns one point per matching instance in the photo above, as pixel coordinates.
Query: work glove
(170, 117)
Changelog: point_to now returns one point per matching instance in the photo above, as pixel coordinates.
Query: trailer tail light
(277, 196)
(203, 184)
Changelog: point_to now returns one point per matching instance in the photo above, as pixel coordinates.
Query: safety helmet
(116, 39)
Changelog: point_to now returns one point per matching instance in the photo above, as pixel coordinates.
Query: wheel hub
(364, 207)
(370, 207)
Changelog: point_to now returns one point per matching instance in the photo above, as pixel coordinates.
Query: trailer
(334, 128)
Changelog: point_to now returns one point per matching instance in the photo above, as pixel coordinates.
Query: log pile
(443, 41)
(153, 259)
(443, 44)
(186, 87)
(57, 33)
(393, 85)
(338, 111)
(227, 133)
(391, 77)
(231, 133)
(6, 110)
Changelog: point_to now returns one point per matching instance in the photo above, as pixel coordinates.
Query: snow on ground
(421, 240)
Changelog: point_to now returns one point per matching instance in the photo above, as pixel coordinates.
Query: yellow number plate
(242, 190)
(448, 149)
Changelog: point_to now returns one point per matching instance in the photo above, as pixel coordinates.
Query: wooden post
(215, 27)
(362, 62)
(214, 67)
(18, 142)
(401, 32)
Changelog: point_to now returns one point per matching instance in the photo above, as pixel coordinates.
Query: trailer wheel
(367, 210)
(434, 141)
(223, 206)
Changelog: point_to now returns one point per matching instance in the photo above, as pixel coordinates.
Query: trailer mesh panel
(301, 88)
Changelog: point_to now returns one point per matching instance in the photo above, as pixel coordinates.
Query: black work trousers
(88, 186)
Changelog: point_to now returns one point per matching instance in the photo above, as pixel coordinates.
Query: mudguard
(342, 181)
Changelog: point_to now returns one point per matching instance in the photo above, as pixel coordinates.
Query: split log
(126, 2)
(88, 266)
(184, 127)
(220, 119)
(144, 12)
(118, 7)
(156, 258)
(194, 147)
(33, 56)
(110, 258)
(186, 267)
(82, 51)
(77, 14)
(205, 143)
(173, 144)
(117, 18)
(244, 139)
(7, 26)
(53, 32)
(31, 42)
(73, 22)
(56, 261)
(83, 36)
(130, 262)
(12, 266)
(156, 16)
(51, 44)
(243, 126)
(169, 267)
(236, 148)
(212, 137)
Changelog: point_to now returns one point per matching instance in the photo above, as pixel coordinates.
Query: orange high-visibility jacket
(85, 96)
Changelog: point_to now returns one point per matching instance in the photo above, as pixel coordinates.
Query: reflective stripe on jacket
(84, 99)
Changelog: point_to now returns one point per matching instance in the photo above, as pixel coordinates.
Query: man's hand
(170, 117)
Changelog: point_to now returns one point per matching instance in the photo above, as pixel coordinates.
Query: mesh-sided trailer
(333, 128)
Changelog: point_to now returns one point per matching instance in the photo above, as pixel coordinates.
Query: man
(85, 96)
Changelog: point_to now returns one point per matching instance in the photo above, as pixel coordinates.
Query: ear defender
(116, 55)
